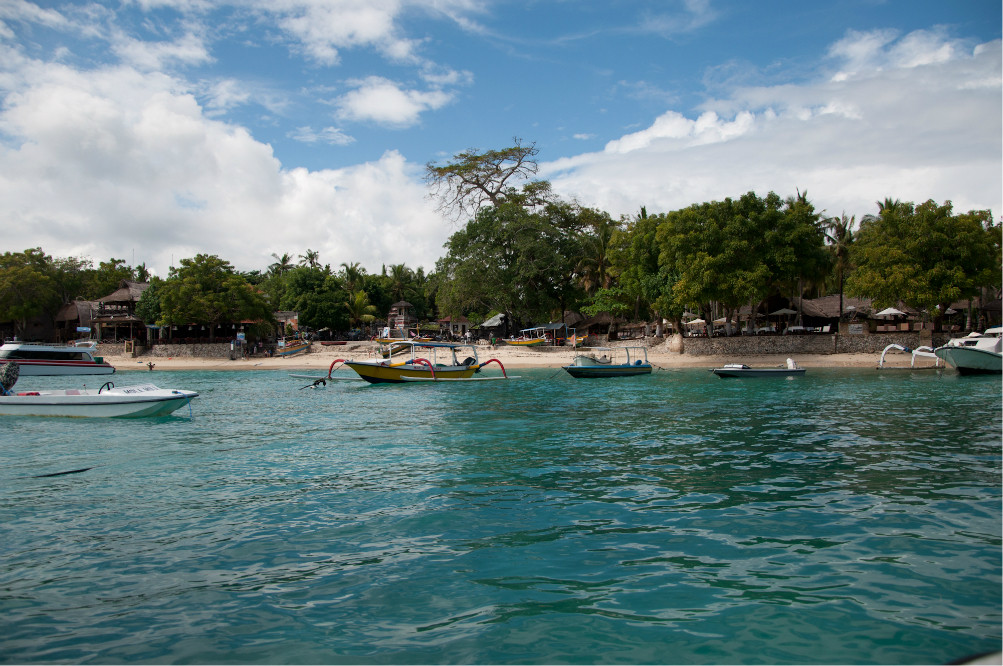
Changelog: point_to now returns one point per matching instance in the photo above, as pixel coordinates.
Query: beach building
(115, 318)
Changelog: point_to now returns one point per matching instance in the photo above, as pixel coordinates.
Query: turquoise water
(843, 517)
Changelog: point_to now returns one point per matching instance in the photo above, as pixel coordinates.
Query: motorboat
(732, 370)
(108, 401)
(37, 359)
(422, 361)
(977, 353)
(610, 362)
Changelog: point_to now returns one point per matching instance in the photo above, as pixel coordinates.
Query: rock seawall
(793, 345)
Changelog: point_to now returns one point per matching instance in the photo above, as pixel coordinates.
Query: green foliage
(206, 290)
(26, 288)
(317, 297)
(924, 255)
(607, 299)
(509, 260)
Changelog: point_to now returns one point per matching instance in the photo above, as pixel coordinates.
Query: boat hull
(536, 342)
(728, 373)
(598, 371)
(378, 373)
(61, 368)
(126, 402)
(971, 360)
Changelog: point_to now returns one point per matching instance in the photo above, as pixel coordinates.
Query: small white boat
(975, 353)
(108, 401)
(791, 369)
(42, 359)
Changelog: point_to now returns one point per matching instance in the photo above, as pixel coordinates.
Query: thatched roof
(127, 292)
(77, 311)
(827, 307)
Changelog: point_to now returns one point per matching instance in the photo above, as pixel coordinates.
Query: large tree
(206, 290)
(477, 179)
(924, 255)
(508, 259)
(27, 289)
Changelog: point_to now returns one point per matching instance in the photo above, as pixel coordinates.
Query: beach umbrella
(890, 312)
(783, 311)
(695, 322)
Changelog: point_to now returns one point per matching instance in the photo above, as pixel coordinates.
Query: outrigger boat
(421, 362)
(791, 369)
(291, 347)
(528, 337)
(599, 363)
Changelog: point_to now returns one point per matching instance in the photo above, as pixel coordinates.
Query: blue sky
(150, 130)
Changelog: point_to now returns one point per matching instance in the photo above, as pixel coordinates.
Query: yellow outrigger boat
(424, 361)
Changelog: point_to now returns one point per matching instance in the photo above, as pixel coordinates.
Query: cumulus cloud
(913, 118)
(120, 163)
(382, 101)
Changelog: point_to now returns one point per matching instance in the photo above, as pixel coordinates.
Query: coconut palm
(282, 264)
(310, 259)
(360, 310)
(352, 275)
(839, 234)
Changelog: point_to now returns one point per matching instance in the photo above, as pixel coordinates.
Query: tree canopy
(924, 255)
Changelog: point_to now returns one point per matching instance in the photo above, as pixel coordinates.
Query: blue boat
(610, 362)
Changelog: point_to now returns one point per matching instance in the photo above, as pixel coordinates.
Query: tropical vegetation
(526, 253)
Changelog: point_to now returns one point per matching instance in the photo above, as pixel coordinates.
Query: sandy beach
(320, 358)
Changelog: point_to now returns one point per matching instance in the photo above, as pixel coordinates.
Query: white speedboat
(107, 401)
(42, 359)
(976, 353)
(791, 369)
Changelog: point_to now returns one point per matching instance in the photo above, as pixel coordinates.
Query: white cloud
(331, 135)
(382, 101)
(913, 118)
(153, 56)
(120, 163)
(323, 27)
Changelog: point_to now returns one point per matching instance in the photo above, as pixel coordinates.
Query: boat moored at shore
(737, 370)
(610, 362)
(976, 353)
(37, 359)
(424, 361)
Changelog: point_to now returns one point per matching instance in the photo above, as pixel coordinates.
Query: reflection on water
(846, 516)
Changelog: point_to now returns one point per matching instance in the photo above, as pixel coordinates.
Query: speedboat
(38, 359)
(423, 361)
(107, 401)
(599, 362)
(975, 353)
(790, 369)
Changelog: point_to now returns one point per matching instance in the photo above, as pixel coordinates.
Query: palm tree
(360, 311)
(310, 259)
(400, 278)
(282, 264)
(839, 233)
(595, 265)
(352, 276)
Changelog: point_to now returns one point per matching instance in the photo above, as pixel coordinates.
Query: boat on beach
(610, 362)
(38, 359)
(528, 337)
(738, 370)
(977, 353)
(291, 347)
(423, 361)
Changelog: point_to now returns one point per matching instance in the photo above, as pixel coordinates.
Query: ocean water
(848, 516)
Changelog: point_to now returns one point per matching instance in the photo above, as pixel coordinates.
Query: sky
(154, 130)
